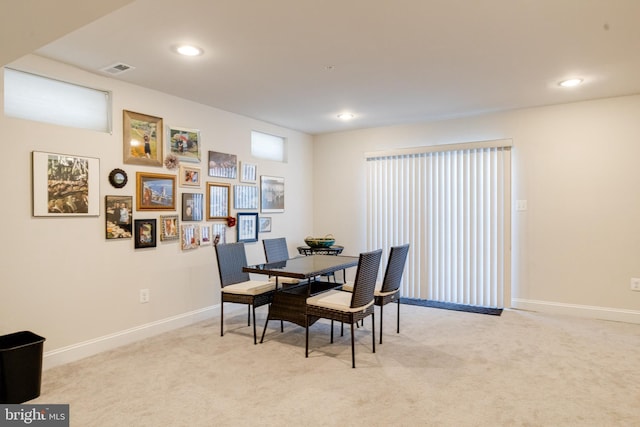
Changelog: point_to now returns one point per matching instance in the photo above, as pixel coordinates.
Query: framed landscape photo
(223, 165)
(247, 227)
(145, 233)
(190, 238)
(218, 200)
(265, 224)
(248, 172)
(118, 217)
(142, 139)
(169, 227)
(192, 206)
(190, 176)
(155, 191)
(184, 143)
(65, 185)
(271, 194)
(245, 197)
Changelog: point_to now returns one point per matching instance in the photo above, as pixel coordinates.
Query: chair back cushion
(231, 259)
(395, 268)
(275, 249)
(366, 276)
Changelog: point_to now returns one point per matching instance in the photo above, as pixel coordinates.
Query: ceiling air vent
(117, 68)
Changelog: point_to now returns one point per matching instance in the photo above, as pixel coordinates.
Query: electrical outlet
(635, 284)
(144, 296)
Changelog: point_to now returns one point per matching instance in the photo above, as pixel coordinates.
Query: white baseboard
(588, 311)
(84, 349)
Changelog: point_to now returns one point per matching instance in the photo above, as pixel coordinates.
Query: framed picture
(192, 207)
(219, 233)
(205, 235)
(218, 200)
(190, 238)
(247, 227)
(271, 194)
(223, 165)
(184, 143)
(169, 229)
(265, 224)
(245, 197)
(248, 172)
(189, 176)
(155, 191)
(65, 185)
(145, 233)
(118, 217)
(142, 139)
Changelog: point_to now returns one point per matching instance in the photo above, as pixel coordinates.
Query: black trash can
(20, 366)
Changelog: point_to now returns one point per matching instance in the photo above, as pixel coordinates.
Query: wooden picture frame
(247, 227)
(189, 176)
(245, 197)
(65, 185)
(142, 139)
(184, 143)
(222, 165)
(170, 227)
(155, 191)
(118, 218)
(264, 224)
(189, 236)
(248, 172)
(218, 200)
(192, 206)
(271, 194)
(145, 233)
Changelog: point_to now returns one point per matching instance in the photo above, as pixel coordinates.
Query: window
(28, 96)
(452, 204)
(267, 146)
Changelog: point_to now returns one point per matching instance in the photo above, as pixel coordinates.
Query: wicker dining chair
(389, 289)
(237, 286)
(275, 250)
(349, 307)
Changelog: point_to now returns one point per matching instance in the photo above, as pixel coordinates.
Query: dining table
(290, 301)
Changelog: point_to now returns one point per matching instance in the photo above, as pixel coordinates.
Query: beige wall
(577, 165)
(61, 279)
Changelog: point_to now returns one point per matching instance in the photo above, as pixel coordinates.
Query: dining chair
(237, 286)
(348, 307)
(389, 289)
(275, 250)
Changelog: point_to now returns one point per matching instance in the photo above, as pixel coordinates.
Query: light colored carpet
(445, 368)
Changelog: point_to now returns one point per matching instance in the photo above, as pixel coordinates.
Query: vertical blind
(452, 204)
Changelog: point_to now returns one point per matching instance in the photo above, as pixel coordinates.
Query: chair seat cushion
(250, 287)
(336, 300)
(284, 280)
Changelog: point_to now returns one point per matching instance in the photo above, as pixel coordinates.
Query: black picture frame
(118, 178)
(247, 227)
(145, 233)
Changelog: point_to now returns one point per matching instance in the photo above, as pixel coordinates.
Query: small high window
(266, 146)
(33, 97)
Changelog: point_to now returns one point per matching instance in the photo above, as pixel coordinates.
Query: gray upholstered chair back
(395, 268)
(231, 258)
(275, 249)
(366, 276)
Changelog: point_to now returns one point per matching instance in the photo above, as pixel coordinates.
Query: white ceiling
(298, 63)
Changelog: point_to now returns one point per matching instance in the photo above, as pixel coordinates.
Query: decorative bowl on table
(320, 242)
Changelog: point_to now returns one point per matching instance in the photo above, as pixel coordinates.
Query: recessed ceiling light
(570, 82)
(188, 50)
(345, 116)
